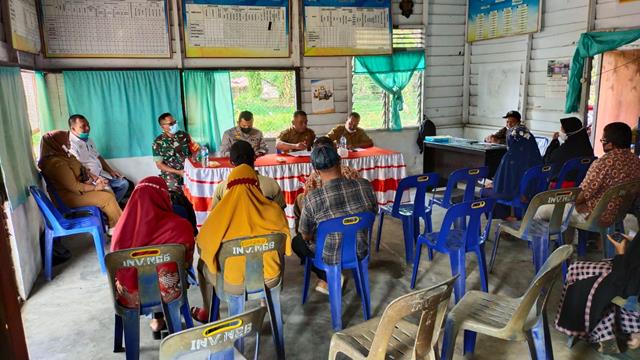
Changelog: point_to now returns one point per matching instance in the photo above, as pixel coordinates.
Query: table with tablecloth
(384, 168)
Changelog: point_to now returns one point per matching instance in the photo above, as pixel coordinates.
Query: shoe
(323, 287)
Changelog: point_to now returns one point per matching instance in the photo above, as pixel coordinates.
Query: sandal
(200, 314)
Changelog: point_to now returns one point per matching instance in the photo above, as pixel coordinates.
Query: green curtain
(16, 154)
(123, 106)
(48, 120)
(208, 105)
(392, 73)
(592, 44)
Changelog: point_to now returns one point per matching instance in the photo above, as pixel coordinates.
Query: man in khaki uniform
(356, 137)
(241, 152)
(298, 136)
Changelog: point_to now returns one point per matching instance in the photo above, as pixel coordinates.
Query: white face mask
(562, 137)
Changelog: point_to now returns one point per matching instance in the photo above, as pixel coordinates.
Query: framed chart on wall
(236, 28)
(106, 28)
(490, 19)
(347, 27)
(23, 22)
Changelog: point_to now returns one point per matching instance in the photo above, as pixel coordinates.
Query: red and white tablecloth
(384, 168)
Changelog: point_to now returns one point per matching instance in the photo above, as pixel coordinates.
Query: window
(30, 91)
(275, 92)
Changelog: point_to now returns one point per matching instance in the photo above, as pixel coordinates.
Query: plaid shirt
(314, 181)
(338, 197)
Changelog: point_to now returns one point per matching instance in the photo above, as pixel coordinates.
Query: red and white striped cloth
(384, 168)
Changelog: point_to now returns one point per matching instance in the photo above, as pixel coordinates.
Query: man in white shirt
(84, 149)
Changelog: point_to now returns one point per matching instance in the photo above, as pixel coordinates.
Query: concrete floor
(71, 317)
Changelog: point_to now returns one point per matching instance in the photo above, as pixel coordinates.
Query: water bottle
(342, 148)
(343, 142)
(204, 155)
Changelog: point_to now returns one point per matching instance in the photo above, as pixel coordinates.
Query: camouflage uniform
(173, 151)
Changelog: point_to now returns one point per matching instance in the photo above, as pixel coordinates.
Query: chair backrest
(348, 226)
(146, 260)
(543, 142)
(53, 218)
(471, 213)
(431, 303)
(469, 177)
(252, 249)
(539, 289)
(558, 198)
(421, 183)
(213, 337)
(625, 193)
(56, 198)
(576, 167)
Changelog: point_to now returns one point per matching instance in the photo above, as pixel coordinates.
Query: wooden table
(444, 158)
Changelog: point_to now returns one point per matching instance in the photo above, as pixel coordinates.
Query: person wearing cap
(356, 137)
(500, 137)
(522, 154)
(570, 142)
(298, 136)
(244, 131)
(241, 152)
(337, 197)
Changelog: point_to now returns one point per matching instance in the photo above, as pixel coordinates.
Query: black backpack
(427, 128)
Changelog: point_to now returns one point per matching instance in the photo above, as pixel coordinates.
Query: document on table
(301, 153)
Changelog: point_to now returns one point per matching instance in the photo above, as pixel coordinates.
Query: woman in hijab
(571, 142)
(586, 310)
(243, 211)
(147, 220)
(72, 181)
(522, 154)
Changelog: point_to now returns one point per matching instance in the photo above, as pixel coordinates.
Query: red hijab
(148, 219)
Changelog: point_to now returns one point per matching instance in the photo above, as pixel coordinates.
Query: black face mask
(246, 130)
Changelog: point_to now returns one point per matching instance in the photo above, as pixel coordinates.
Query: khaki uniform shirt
(254, 138)
(353, 139)
(291, 136)
(269, 187)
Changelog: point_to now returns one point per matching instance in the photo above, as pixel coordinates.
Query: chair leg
(184, 309)
(48, 254)
(275, 317)
(381, 219)
(214, 307)
(362, 291)
(482, 267)
(363, 266)
(582, 242)
(449, 339)
(532, 345)
(416, 264)
(494, 252)
(335, 297)
(539, 247)
(458, 267)
(307, 275)
(118, 331)
(131, 321)
(407, 232)
(542, 338)
(236, 306)
(469, 342)
(171, 313)
(98, 240)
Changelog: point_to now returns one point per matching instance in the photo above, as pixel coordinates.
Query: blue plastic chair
(70, 213)
(576, 167)
(543, 143)
(469, 177)
(145, 260)
(214, 340)
(534, 181)
(57, 226)
(252, 249)
(459, 241)
(348, 226)
(410, 213)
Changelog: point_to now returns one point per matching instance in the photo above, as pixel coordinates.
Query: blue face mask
(173, 129)
(84, 136)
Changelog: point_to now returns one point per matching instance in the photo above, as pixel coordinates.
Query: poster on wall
(23, 21)
(347, 27)
(498, 89)
(105, 29)
(322, 97)
(490, 19)
(557, 76)
(236, 28)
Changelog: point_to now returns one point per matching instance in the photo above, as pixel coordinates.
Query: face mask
(563, 137)
(84, 136)
(246, 130)
(173, 129)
